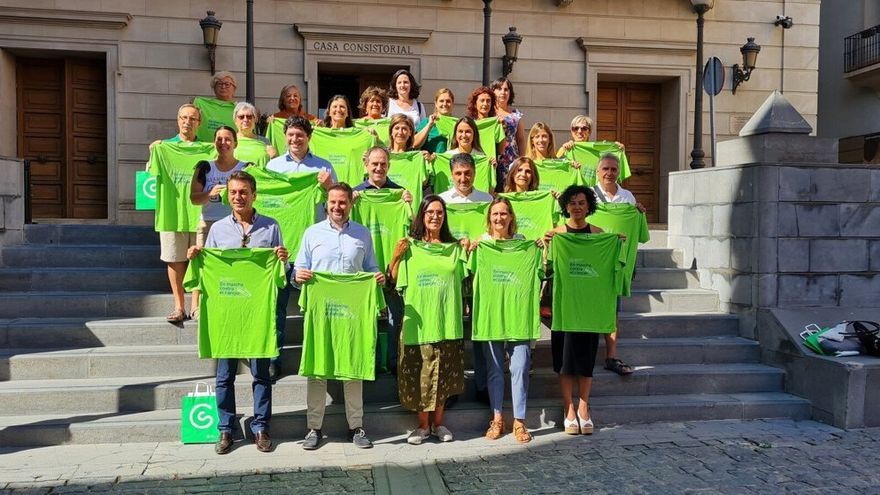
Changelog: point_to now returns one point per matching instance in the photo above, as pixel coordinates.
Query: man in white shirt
(609, 191)
(463, 170)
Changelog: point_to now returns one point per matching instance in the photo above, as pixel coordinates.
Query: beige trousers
(316, 400)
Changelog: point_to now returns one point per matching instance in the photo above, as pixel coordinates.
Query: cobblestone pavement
(711, 457)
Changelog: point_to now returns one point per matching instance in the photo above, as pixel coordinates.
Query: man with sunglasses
(244, 228)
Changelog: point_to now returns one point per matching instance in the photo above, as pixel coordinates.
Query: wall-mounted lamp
(785, 21)
(511, 45)
(750, 56)
(210, 30)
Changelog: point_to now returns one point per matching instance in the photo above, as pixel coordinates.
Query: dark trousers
(395, 323)
(262, 387)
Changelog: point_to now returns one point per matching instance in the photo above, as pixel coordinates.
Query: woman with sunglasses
(581, 129)
(251, 146)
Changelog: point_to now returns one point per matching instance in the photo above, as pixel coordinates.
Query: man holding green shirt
(336, 245)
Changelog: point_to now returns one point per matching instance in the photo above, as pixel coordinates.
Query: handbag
(867, 333)
(199, 417)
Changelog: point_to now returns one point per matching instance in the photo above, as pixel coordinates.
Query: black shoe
(275, 372)
(359, 438)
(312, 440)
(224, 445)
(616, 365)
(482, 396)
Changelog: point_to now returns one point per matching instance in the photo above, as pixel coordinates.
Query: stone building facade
(110, 74)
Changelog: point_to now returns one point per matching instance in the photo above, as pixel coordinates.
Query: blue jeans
(262, 387)
(395, 322)
(281, 313)
(520, 360)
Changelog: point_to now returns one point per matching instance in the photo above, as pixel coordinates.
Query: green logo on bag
(145, 191)
(201, 416)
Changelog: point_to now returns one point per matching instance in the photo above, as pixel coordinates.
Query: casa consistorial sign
(324, 38)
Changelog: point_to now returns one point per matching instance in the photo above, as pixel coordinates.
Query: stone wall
(781, 235)
(156, 59)
(11, 200)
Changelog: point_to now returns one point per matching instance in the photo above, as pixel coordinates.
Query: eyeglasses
(245, 117)
(245, 240)
(225, 84)
(580, 129)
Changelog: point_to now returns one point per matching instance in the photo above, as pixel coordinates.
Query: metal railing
(861, 49)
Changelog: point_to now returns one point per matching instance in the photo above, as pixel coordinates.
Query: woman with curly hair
(481, 108)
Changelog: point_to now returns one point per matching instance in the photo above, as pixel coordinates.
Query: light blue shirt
(325, 248)
(287, 164)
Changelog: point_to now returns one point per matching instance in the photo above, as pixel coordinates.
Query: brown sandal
(176, 316)
(496, 429)
(520, 432)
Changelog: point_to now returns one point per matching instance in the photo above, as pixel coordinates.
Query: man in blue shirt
(336, 245)
(243, 228)
(298, 159)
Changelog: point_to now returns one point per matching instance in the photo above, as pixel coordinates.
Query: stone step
(665, 278)
(91, 256)
(660, 258)
(83, 279)
(35, 333)
(97, 395)
(659, 239)
(145, 361)
(90, 234)
(85, 304)
(389, 422)
(74, 279)
(100, 304)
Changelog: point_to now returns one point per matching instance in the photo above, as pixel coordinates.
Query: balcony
(861, 57)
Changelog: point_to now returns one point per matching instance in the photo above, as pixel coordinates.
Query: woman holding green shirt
(252, 147)
(429, 137)
(432, 371)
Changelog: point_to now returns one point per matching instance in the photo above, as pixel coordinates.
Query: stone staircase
(87, 357)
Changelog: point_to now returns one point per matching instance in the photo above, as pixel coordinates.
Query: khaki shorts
(202, 231)
(173, 245)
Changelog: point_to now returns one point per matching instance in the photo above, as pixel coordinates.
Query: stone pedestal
(11, 200)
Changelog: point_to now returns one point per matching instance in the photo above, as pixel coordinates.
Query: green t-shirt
(214, 114)
(430, 276)
(239, 289)
(557, 174)
(382, 127)
(507, 290)
(587, 153)
(409, 170)
(467, 220)
(276, 137)
(536, 212)
(339, 332)
(250, 150)
(436, 141)
(288, 198)
(386, 215)
(491, 133)
(173, 164)
(484, 177)
(344, 149)
(587, 278)
(626, 219)
(445, 126)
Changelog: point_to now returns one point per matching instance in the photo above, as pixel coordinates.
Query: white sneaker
(442, 433)
(417, 436)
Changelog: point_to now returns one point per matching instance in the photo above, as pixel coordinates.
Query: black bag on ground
(867, 332)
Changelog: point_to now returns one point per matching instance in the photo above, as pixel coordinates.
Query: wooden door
(630, 113)
(62, 122)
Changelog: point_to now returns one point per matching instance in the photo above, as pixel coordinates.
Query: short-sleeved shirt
(622, 196)
(227, 233)
(453, 196)
(365, 185)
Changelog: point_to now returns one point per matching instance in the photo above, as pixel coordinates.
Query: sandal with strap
(176, 316)
(496, 429)
(520, 432)
(616, 365)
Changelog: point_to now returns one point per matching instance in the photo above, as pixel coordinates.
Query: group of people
(454, 219)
